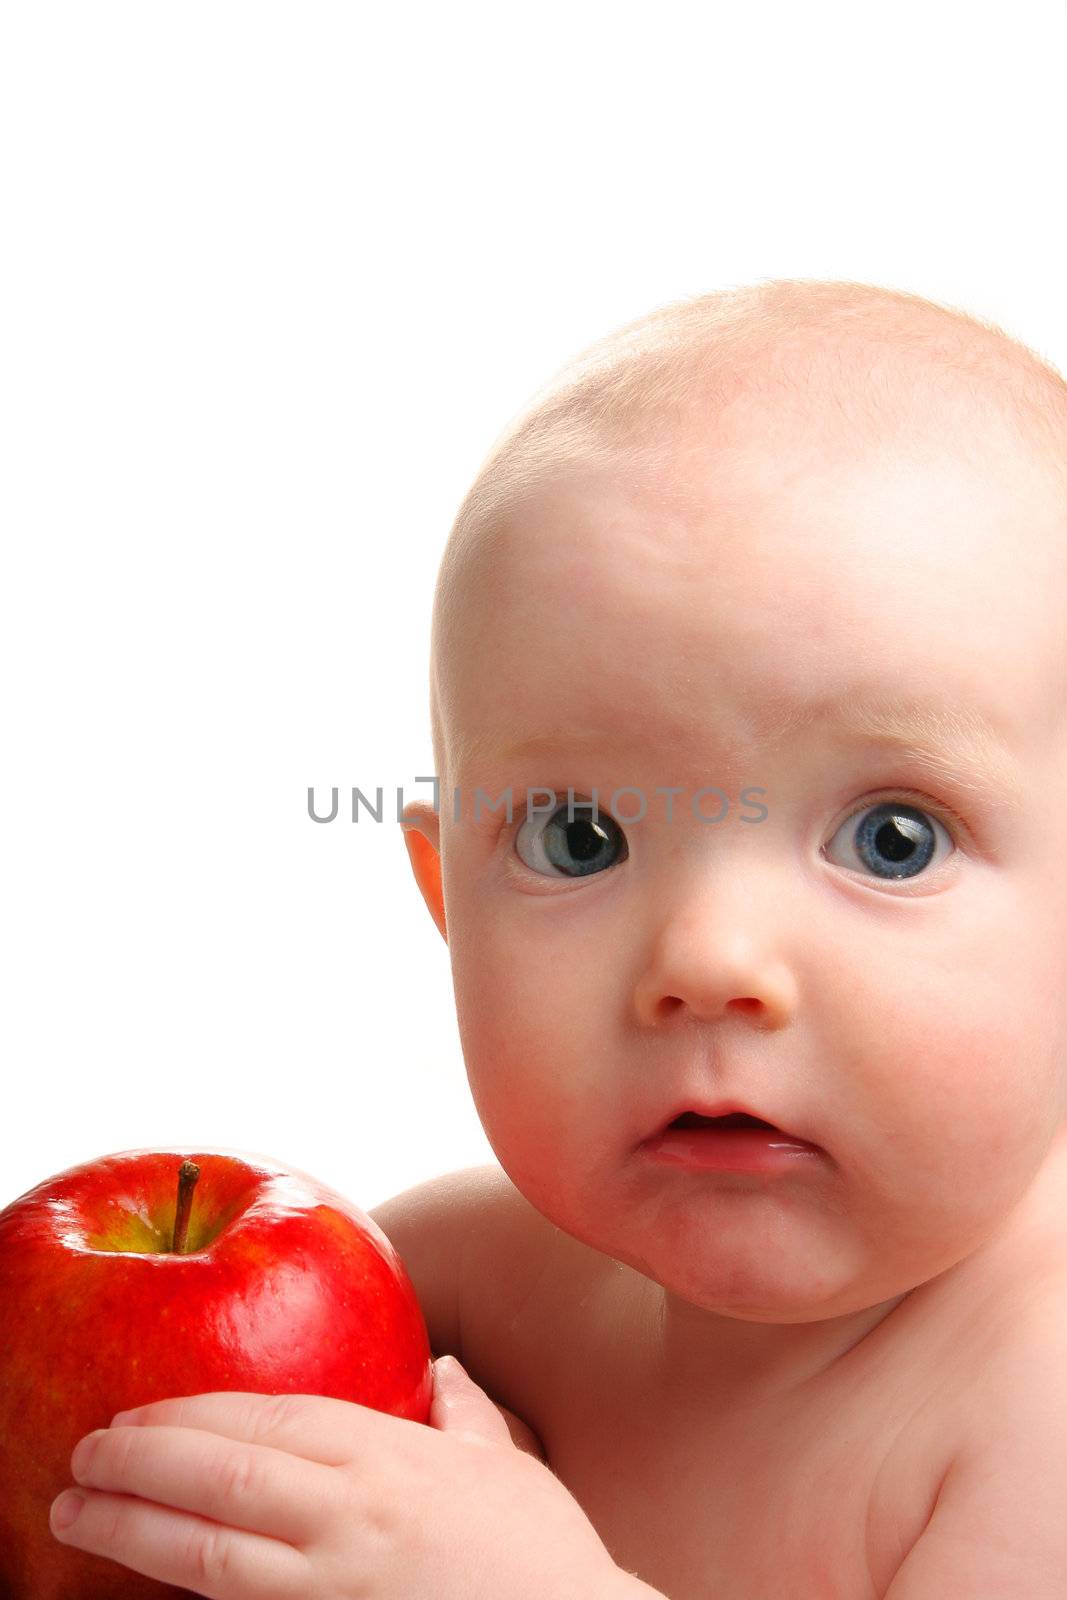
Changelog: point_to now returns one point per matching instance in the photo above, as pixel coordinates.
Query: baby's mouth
(730, 1122)
(735, 1119)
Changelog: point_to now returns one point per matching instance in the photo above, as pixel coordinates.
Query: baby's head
(809, 540)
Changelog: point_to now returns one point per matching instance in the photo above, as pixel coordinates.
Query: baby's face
(896, 997)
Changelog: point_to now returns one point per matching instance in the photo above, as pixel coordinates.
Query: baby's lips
(725, 1108)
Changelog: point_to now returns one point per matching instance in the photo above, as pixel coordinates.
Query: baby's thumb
(460, 1406)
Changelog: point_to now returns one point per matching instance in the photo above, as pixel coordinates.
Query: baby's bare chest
(820, 1497)
(808, 1503)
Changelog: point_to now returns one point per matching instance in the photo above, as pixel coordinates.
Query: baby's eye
(892, 839)
(547, 841)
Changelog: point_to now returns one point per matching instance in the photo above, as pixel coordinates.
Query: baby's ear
(422, 835)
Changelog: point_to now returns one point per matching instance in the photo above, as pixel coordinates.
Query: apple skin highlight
(282, 1287)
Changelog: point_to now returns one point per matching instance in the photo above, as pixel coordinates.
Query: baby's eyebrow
(952, 742)
(481, 748)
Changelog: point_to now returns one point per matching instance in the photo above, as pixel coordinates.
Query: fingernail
(66, 1508)
(120, 1417)
(84, 1452)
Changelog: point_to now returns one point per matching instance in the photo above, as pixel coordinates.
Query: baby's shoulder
(505, 1257)
(525, 1294)
(448, 1231)
(997, 1321)
(980, 1357)
(1008, 1305)
(994, 1426)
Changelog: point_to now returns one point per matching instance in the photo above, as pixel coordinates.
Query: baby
(755, 617)
(803, 548)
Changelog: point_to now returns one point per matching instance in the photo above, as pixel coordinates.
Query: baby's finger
(189, 1552)
(246, 1486)
(332, 1432)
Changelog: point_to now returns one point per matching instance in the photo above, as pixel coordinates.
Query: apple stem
(188, 1173)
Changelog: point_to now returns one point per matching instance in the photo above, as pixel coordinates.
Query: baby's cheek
(533, 1046)
(972, 1119)
(518, 1083)
(524, 995)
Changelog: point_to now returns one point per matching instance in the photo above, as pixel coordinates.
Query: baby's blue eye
(547, 841)
(891, 839)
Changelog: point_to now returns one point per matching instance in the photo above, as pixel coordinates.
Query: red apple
(112, 1294)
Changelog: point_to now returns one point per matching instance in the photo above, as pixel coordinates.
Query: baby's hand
(297, 1497)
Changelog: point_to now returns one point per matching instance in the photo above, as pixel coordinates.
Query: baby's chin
(744, 1255)
(750, 1289)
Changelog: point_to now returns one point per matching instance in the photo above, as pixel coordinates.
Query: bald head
(830, 371)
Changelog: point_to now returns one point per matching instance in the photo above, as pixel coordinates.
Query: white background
(275, 277)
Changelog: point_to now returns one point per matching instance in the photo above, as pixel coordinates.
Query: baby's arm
(428, 1226)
